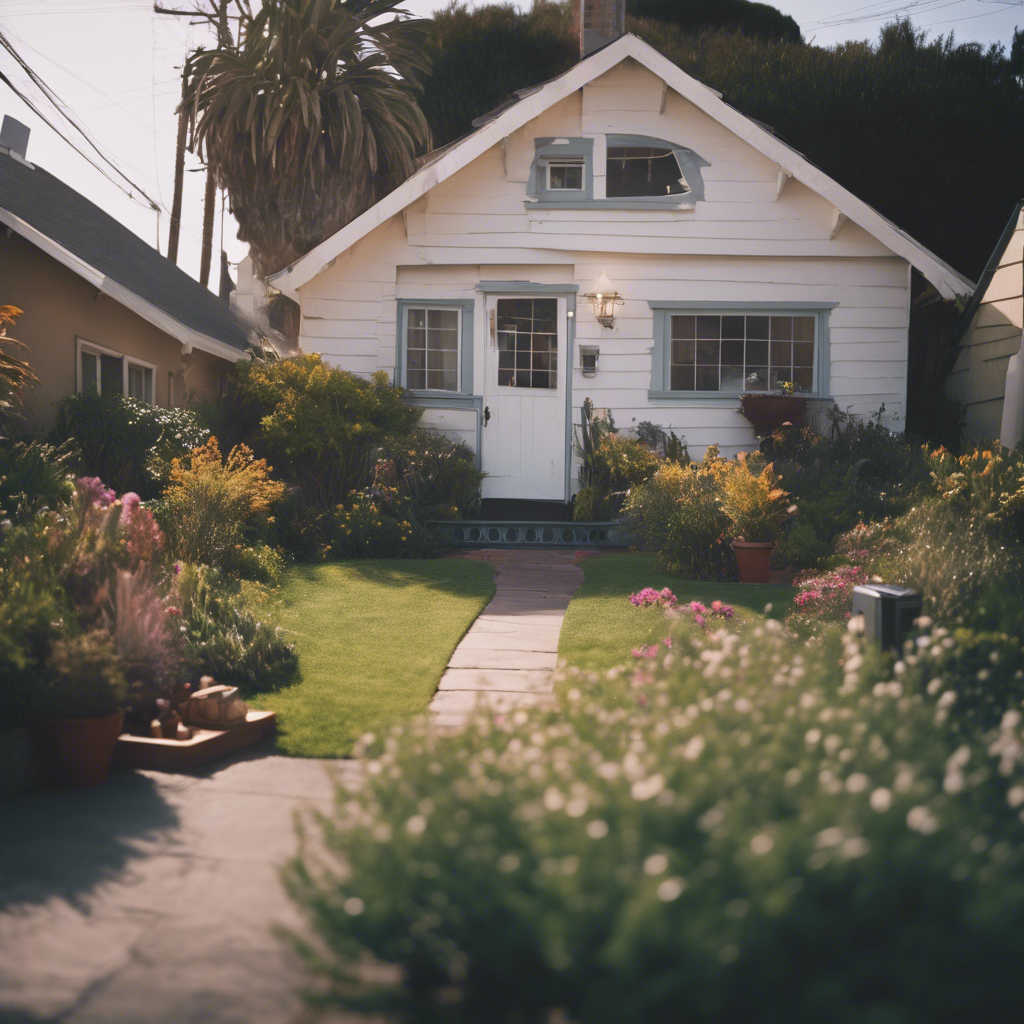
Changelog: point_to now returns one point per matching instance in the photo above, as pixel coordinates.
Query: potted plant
(771, 409)
(756, 507)
(79, 705)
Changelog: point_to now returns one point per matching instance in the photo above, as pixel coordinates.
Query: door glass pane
(111, 375)
(90, 371)
(527, 343)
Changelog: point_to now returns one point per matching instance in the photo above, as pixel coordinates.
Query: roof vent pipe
(14, 136)
(601, 22)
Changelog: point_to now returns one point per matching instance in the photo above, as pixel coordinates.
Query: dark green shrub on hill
(752, 19)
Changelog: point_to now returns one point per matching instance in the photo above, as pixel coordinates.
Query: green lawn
(373, 638)
(602, 627)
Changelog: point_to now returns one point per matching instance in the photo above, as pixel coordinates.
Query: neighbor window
(432, 352)
(741, 352)
(565, 175)
(642, 171)
(112, 373)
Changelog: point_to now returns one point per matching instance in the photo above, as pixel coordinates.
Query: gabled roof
(532, 102)
(75, 232)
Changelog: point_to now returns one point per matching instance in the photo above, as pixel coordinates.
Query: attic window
(565, 175)
(643, 171)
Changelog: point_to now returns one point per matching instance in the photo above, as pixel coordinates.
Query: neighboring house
(986, 341)
(101, 308)
(738, 263)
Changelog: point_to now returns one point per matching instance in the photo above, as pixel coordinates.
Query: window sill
(665, 205)
(716, 398)
(443, 400)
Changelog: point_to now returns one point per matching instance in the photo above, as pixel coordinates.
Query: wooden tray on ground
(205, 744)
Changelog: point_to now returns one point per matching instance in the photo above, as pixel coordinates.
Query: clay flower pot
(83, 747)
(753, 559)
(766, 412)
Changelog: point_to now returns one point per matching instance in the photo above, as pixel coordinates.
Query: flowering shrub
(752, 500)
(678, 513)
(213, 505)
(379, 523)
(827, 596)
(649, 596)
(615, 862)
(988, 479)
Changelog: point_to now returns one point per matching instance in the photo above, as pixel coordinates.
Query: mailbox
(889, 612)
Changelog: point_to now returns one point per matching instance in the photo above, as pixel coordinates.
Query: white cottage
(482, 282)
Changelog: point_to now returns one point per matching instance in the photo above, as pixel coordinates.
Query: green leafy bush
(33, 477)
(591, 506)
(379, 523)
(746, 826)
(83, 678)
(678, 513)
(228, 630)
(439, 474)
(317, 424)
(126, 442)
(753, 502)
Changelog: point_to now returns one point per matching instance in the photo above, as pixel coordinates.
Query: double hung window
(112, 373)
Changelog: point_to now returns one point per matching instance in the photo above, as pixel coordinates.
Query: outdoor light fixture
(588, 359)
(604, 299)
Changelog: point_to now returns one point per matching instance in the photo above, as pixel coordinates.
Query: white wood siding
(745, 242)
(979, 376)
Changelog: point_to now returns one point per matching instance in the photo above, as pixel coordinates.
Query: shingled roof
(75, 231)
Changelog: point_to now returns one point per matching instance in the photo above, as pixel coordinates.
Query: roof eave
(160, 319)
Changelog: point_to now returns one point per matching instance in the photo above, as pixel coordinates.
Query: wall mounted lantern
(604, 300)
(588, 359)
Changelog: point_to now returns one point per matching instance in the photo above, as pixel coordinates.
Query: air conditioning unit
(888, 612)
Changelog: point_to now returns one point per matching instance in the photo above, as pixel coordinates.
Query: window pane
(804, 378)
(732, 326)
(137, 382)
(732, 352)
(707, 378)
(684, 327)
(682, 378)
(417, 318)
(111, 375)
(565, 176)
(782, 328)
(643, 171)
(757, 352)
(432, 349)
(684, 351)
(446, 319)
(416, 380)
(782, 354)
(803, 353)
(709, 327)
(707, 353)
(803, 328)
(732, 378)
(90, 371)
(757, 378)
(757, 327)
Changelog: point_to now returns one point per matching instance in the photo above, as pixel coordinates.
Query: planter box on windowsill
(768, 411)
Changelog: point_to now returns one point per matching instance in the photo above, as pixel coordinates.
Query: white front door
(524, 432)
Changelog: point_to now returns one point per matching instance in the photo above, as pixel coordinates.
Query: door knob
(487, 414)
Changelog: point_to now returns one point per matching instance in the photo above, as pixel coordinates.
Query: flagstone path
(506, 659)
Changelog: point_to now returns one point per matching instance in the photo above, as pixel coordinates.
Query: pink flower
(667, 641)
(697, 608)
(130, 501)
(642, 700)
(92, 491)
(699, 619)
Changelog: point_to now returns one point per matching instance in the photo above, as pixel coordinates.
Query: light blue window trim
(553, 149)
(525, 288)
(662, 350)
(690, 164)
(468, 307)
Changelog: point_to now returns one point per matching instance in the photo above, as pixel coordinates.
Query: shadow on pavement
(65, 842)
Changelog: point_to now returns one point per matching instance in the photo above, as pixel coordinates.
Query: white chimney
(601, 23)
(14, 136)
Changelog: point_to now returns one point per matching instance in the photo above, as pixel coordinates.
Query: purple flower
(177, 568)
(130, 501)
(92, 491)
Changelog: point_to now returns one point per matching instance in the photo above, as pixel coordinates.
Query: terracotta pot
(754, 559)
(767, 412)
(83, 747)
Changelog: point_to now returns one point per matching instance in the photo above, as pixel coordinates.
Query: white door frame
(514, 486)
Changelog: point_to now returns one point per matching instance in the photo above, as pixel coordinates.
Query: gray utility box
(889, 612)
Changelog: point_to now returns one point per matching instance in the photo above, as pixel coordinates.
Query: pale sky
(116, 64)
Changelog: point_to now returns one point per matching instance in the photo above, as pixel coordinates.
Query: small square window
(565, 176)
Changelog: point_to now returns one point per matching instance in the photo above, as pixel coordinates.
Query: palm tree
(309, 118)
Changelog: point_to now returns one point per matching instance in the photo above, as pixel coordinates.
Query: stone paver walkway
(507, 657)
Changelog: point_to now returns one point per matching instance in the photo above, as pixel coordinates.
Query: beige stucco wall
(59, 307)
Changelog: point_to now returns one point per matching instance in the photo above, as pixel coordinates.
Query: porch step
(496, 533)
